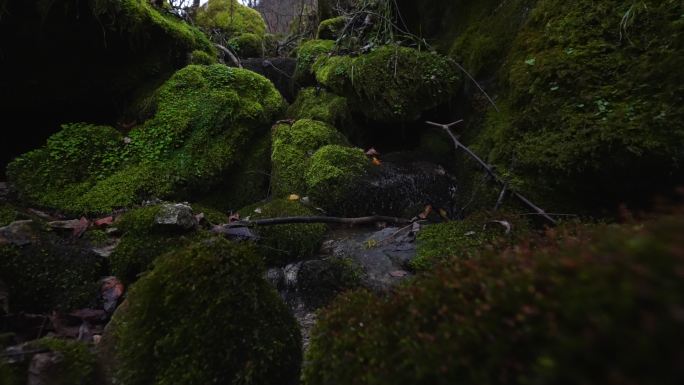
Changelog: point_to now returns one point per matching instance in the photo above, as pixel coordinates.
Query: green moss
(330, 29)
(49, 274)
(202, 58)
(8, 214)
(466, 238)
(211, 214)
(307, 53)
(319, 104)
(331, 175)
(582, 115)
(334, 72)
(218, 321)
(205, 117)
(530, 315)
(247, 45)
(143, 241)
(282, 244)
(231, 17)
(292, 148)
(77, 364)
(320, 281)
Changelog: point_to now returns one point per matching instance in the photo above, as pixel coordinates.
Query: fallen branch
(230, 54)
(490, 170)
(317, 219)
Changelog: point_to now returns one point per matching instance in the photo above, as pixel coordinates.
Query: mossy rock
(530, 315)
(320, 281)
(205, 118)
(307, 54)
(231, 17)
(202, 58)
(144, 240)
(319, 104)
(8, 214)
(247, 45)
(392, 84)
(76, 363)
(282, 244)
(293, 146)
(331, 176)
(49, 272)
(330, 29)
(216, 320)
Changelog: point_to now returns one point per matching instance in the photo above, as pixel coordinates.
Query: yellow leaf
(293, 197)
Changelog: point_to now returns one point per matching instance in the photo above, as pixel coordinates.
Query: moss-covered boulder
(391, 84)
(319, 104)
(43, 271)
(307, 53)
(114, 48)
(282, 244)
(584, 307)
(202, 58)
(293, 146)
(332, 174)
(593, 102)
(230, 17)
(205, 315)
(205, 118)
(143, 240)
(330, 29)
(247, 45)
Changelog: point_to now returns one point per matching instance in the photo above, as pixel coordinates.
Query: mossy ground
(215, 320)
(282, 244)
(545, 311)
(205, 117)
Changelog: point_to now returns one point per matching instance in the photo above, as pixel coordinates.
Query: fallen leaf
(505, 224)
(293, 197)
(258, 210)
(41, 214)
(106, 221)
(199, 217)
(93, 315)
(77, 226)
(372, 152)
(376, 161)
(233, 217)
(398, 273)
(426, 212)
(112, 289)
(443, 214)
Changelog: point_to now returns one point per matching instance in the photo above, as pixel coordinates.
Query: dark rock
(19, 233)
(176, 215)
(279, 70)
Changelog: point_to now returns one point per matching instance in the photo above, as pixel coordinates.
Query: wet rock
(279, 70)
(19, 233)
(176, 215)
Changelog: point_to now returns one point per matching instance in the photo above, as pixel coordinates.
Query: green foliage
(77, 364)
(49, 274)
(292, 149)
(247, 45)
(204, 119)
(391, 84)
(592, 102)
(319, 104)
(231, 17)
(583, 306)
(331, 176)
(331, 28)
(205, 315)
(307, 53)
(466, 238)
(283, 244)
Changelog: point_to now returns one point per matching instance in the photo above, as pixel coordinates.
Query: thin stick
(489, 169)
(502, 195)
(317, 219)
(230, 54)
(478, 86)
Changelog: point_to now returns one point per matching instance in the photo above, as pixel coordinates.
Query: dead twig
(230, 54)
(316, 219)
(489, 169)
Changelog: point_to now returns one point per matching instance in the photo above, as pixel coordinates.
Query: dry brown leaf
(426, 212)
(376, 161)
(112, 289)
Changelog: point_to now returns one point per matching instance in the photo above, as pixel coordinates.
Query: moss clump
(202, 58)
(216, 320)
(204, 119)
(49, 273)
(247, 45)
(531, 315)
(592, 102)
(330, 29)
(466, 238)
(143, 241)
(282, 244)
(331, 176)
(335, 72)
(397, 84)
(319, 104)
(307, 53)
(292, 149)
(8, 214)
(320, 281)
(231, 17)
